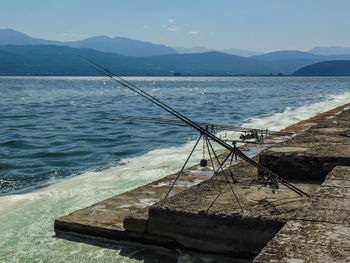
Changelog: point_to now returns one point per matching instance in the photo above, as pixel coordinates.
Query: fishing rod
(203, 124)
(266, 176)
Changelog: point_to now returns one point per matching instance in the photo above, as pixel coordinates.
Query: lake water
(62, 146)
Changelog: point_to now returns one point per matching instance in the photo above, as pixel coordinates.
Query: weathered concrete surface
(331, 202)
(313, 153)
(320, 230)
(307, 242)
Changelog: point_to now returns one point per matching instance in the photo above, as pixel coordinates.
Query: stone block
(312, 154)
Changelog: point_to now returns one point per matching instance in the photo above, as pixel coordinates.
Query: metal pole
(183, 167)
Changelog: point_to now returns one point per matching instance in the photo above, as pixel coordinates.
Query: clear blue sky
(258, 25)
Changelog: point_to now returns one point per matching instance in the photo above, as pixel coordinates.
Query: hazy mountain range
(130, 47)
(119, 45)
(21, 54)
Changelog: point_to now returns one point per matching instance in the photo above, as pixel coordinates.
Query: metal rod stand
(226, 177)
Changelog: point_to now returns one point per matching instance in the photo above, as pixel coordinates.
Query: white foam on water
(26, 220)
(290, 116)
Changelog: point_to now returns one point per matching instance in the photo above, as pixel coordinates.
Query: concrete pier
(238, 219)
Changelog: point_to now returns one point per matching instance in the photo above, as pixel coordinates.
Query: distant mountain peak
(11, 30)
(196, 49)
(8, 32)
(98, 37)
(12, 37)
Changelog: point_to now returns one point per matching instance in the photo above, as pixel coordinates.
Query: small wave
(60, 154)
(7, 186)
(6, 182)
(5, 166)
(16, 116)
(12, 143)
(96, 139)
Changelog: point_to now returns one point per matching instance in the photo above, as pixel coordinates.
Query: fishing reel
(266, 180)
(252, 134)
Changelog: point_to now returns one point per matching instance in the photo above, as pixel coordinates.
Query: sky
(256, 25)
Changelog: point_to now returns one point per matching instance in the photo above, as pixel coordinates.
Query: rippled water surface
(62, 146)
(55, 127)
